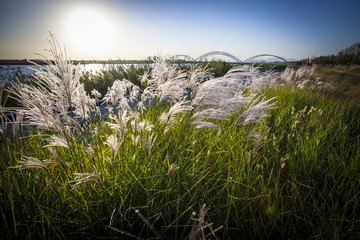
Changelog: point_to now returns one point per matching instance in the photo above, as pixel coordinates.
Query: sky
(136, 29)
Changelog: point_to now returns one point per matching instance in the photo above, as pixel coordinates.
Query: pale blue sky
(136, 29)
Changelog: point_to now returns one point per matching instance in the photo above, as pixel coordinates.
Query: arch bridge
(250, 59)
(188, 58)
(184, 57)
(215, 53)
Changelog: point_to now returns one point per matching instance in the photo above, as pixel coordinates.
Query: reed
(253, 155)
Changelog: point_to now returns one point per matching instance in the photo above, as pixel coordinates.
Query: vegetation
(218, 67)
(105, 78)
(347, 57)
(250, 155)
(342, 81)
(7, 76)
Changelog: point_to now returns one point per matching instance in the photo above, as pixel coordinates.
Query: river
(29, 69)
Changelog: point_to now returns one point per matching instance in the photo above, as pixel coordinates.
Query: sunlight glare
(87, 29)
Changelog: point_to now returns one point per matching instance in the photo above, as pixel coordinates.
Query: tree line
(348, 56)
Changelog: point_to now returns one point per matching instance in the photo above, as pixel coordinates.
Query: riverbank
(41, 62)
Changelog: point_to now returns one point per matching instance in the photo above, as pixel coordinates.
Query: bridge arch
(264, 55)
(183, 56)
(214, 53)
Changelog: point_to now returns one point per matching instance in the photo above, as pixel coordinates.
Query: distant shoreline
(42, 62)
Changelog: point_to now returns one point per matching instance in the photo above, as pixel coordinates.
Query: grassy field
(344, 80)
(275, 157)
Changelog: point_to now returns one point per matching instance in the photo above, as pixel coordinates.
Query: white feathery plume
(262, 80)
(174, 89)
(172, 168)
(300, 77)
(301, 73)
(37, 106)
(3, 122)
(148, 144)
(211, 113)
(145, 77)
(96, 94)
(288, 75)
(120, 122)
(2, 104)
(202, 124)
(134, 93)
(83, 104)
(166, 82)
(61, 78)
(246, 73)
(116, 94)
(162, 72)
(16, 123)
(55, 156)
(141, 106)
(216, 91)
(233, 104)
(256, 112)
(177, 108)
(223, 95)
(145, 126)
(135, 116)
(135, 139)
(133, 125)
(82, 178)
(57, 87)
(148, 94)
(114, 143)
(253, 78)
(31, 162)
(3, 126)
(56, 141)
(197, 76)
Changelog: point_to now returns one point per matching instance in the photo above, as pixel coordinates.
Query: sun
(87, 29)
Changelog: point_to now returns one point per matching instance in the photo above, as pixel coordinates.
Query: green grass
(298, 179)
